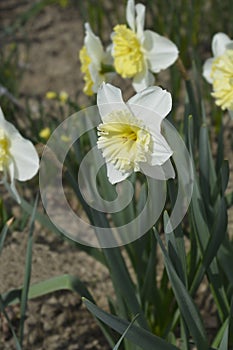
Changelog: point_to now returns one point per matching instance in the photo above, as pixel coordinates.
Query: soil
(48, 54)
(59, 320)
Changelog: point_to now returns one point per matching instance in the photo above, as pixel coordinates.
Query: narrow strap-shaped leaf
(149, 286)
(177, 255)
(186, 305)
(139, 336)
(45, 222)
(54, 284)
(202, 233)
(116, 347)
(4, 233)
(63, 282)
(224, 342)
(215, 241)
(220, 335)
(2, 308)
(227, 340)
(27, 275)
(123, 283)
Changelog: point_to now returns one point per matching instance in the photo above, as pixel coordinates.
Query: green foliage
(154, 305)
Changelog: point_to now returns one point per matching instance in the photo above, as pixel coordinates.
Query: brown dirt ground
(59, 320)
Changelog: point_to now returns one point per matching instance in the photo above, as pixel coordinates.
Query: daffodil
(18, 157)
(139, 53)
(92, 57)
(218, 71)
(130, 133)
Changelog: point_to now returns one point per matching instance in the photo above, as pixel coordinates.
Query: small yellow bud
(45, 133)
(50, 95)
(63, 96)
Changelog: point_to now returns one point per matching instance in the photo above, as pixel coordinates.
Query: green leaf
(123, 285)
(220, 335)
(54, 284)
(220, 150)
(214, 243)
(224, 342)
(187, 307)
(202, 233)
(2, 308)
(149, 283)
(27, 276)
(63, 282)
(45, 222)
(225, 173)
(139, 336)
(193, 107)
(4, 233)
(175, 252)
(208, 176)
(116, 347)
(225, 258)
(229, 199)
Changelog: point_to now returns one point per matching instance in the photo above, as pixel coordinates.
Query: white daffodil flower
(92, 56)
(18, 157)
(218, 71)
(137, 52)
(130, 133)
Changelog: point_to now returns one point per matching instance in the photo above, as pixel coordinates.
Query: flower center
(222, 75)
(4, 149)
(124, 141)
(127, 53)
(85, 63)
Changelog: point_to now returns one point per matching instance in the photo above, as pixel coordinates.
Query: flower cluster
(130, 135)
(134, 53)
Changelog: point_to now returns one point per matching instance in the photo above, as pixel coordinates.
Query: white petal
(1, 116)
(161, 150)
(115, 175)
(143, 80)
(160, 51)
(93, 45)
(96, 77)
(207, 69)
(109, 99)
(219, 42)
(8, 128)
(26, 160)
(159, 172)
(130, 14)
(153, 98)
(140, 19)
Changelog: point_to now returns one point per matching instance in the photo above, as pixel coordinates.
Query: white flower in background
(137, 52)
(18, 157)
(218, 71)
(92, 56)
(130, 133)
